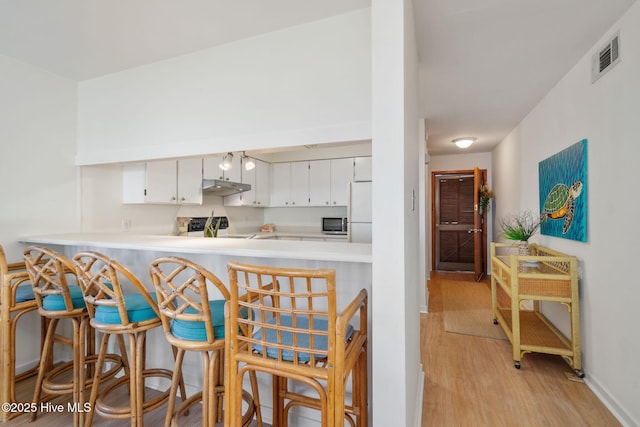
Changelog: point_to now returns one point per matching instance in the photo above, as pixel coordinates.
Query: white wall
(397, 279)
(307, 84)
(606, 114)
(39, 180)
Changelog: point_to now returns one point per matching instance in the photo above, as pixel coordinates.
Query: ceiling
(483, 63)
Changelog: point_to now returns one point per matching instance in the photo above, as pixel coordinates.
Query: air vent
(606, 58)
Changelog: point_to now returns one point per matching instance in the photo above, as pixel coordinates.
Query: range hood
(220, 187)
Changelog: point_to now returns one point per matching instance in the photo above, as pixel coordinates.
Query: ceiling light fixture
(227, 162)
(464, 142)
(248, 162)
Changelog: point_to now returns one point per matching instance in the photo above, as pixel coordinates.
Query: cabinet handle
(293, 203)
(182, 199)
(334, 203)
(326, 203)
(286, 203)
(173, 198)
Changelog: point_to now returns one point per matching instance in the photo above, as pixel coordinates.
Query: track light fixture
(227, 162)
(248, 162)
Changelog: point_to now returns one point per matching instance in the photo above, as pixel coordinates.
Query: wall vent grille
(606, 58)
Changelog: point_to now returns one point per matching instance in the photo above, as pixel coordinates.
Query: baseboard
(419, 398)
(616, 409)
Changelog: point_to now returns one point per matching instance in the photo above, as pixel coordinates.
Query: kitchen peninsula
(352, 262)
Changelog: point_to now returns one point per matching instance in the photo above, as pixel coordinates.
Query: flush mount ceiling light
(248, 162)
(464, 142)
(227, 162)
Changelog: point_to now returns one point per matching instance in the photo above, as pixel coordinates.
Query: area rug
(467, 309)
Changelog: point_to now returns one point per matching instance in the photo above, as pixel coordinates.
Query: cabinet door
(280, 179)
(235, 173)
(362, 169)
(211, 168)
(320, 183)
(133, 183)
(341, 175)
(299, 184)
(262, 183)
(161, 182)
(190, 181)
(248, 198)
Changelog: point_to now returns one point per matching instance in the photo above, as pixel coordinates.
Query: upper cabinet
(163, 182)
(311, 183)
(362, 169)
(211, 169)
(341, 176)
(258, 178)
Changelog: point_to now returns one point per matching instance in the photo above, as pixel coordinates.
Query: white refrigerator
(359, 212)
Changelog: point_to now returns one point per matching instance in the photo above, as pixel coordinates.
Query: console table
(544, 275)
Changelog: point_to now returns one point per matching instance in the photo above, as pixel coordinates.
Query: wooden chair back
(50, 273)
(104, 281)
(183, 289)
(285, 306)
(12, 275)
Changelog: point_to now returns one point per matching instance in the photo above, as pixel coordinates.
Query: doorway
(458, 227)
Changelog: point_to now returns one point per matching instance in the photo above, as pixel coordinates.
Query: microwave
(334, 225)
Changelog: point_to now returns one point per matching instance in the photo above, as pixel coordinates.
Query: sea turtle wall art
(563, 195)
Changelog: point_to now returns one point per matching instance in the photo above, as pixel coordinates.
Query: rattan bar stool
(193, 321)
(16, 300)
(294, 333)
(58, 297)
(120, 305)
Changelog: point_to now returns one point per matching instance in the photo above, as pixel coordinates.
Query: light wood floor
(24, 393)
(471, 381)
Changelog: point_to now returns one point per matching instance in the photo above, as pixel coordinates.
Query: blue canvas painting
(563, 193)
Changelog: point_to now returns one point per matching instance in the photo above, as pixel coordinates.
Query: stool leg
(207, 392)
(45, 361)
(256, 397)
(177, 375)
(95, 386)
(7, 369)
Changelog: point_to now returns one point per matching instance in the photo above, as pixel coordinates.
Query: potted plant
(520, 227)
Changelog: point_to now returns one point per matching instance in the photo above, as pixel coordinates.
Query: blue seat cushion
(24, 293)
(320, 342)
(138, 310)
(196, 331)
(56, 302)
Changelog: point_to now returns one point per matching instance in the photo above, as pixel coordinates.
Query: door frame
(434, 174)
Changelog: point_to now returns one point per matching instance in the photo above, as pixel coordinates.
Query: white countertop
(339, 251)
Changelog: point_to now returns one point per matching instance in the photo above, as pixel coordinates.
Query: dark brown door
(454, 218)
(458, 228)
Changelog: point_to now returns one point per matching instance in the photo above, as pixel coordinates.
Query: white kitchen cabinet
(341, 175)
(311, 183)
(163, 182)
(280, 184)
(259, 195)
(319, 191)
(263, 180)
(362, 169)
(299, 184)
(211, 169)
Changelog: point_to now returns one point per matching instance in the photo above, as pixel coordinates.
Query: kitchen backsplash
(248, 219)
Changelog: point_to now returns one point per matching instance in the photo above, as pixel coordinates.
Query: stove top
(195, 226)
